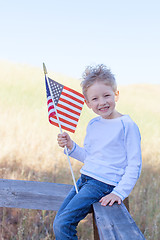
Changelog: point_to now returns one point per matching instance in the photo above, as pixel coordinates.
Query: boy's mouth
(103, 108)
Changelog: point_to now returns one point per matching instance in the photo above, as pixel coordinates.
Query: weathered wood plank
(32, 194)
(115, 223)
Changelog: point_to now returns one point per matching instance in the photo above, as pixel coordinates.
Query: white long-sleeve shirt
(111, 153)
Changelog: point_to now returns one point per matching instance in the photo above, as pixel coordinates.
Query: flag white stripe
(67, 112)
(51, 111)
(63, 124)
(62, 110)
(50, 105)
(69, 106)
(71, 100)
(73, 94)
(67, 119)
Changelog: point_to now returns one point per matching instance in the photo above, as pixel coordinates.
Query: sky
(68, 35)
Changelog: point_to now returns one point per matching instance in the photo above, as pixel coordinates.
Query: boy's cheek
(88, 104)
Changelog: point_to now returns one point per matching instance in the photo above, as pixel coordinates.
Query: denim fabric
(77, 205)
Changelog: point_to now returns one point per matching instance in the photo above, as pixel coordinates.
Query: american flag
(68, 104)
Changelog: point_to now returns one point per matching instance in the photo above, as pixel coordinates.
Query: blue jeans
(77, 205)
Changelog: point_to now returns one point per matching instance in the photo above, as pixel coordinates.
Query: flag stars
(56, 90)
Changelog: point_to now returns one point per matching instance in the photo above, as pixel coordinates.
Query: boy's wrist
(70, 150)
(70, 145)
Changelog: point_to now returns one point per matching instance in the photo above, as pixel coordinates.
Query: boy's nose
(102, 101)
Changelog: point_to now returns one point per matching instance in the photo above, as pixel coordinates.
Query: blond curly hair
(97, 73)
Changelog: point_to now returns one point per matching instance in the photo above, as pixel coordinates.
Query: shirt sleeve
(78, 152)
(134, 161)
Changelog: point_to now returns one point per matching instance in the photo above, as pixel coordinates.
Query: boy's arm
(74, 150)
(133, 169)
(77, 152)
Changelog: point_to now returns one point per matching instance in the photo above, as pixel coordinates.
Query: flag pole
(66, 150)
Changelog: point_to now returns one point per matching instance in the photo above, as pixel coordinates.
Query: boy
(111, 154)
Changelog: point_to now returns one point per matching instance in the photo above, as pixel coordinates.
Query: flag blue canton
(56, 89)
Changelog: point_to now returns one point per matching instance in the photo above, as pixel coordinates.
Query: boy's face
(101, 99)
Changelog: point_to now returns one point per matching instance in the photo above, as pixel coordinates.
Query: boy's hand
(110, 198)
(65, 140)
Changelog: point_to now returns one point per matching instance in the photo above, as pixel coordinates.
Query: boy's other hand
(65, 140)
(110, 199)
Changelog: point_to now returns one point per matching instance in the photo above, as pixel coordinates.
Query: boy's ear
(116, 96)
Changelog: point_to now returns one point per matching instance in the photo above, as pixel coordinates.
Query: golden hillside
(28, 147)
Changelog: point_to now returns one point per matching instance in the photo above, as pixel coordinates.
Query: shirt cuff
(72, 150)
(118, 194)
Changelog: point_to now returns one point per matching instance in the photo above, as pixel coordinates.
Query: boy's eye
(93, 99)
(106, 95)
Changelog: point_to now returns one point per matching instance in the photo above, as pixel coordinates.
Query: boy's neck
(115, 115)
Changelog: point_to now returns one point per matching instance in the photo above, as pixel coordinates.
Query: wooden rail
(113, 223)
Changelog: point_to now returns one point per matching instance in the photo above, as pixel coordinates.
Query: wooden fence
(110, 223)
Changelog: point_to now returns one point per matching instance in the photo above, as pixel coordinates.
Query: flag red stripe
(49, 101)
(66, 115)
(50, 108)
(68, 109)
(63, 127)
(62, 120)
(68, 129)
(67, 122)
(73, 98)
(73, 91)
(70, 103)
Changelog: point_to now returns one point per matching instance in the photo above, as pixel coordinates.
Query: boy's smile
(101, 99)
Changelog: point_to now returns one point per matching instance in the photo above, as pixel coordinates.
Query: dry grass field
(29, 151)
